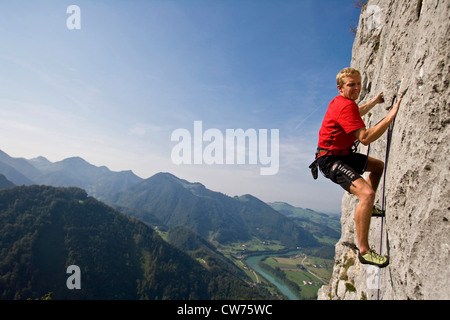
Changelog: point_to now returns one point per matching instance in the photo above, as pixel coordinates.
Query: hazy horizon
(113, 91)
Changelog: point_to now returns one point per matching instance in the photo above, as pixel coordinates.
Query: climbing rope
(383, 199)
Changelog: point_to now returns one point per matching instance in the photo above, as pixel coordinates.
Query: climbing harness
(314, 168)
(323, 152)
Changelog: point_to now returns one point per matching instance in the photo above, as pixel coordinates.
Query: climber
(336, 159)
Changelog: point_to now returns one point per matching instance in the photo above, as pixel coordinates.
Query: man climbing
(341, 127)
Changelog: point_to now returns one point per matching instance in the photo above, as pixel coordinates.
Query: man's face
(351, 88)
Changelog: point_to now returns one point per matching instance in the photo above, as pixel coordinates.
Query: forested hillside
(43, 230)
(213, 215)
(4, 182)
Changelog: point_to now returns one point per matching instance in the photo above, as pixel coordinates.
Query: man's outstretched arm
(367, 136)
(372, 103)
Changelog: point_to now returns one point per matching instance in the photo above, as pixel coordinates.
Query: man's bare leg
(365, 191)
(375, 167)
(363, 212)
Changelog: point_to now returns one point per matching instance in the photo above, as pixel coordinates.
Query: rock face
(409, 40)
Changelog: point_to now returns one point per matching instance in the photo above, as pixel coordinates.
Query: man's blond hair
(346, 73)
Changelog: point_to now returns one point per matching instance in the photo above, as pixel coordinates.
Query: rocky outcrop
(409, 40)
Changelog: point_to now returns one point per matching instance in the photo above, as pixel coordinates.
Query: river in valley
(253, 263)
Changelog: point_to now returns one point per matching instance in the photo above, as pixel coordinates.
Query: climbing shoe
(373, 258)
(377, 212)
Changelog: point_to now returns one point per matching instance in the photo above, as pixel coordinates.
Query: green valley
(156, 238)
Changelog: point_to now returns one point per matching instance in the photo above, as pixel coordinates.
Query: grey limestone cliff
(406, 40)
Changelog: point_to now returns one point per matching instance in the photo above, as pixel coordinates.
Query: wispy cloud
(307, 117)
(23, 127)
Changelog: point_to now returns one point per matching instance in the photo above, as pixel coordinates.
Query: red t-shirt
(341, 119)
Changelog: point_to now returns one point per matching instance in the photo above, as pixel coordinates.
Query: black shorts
(343, 170)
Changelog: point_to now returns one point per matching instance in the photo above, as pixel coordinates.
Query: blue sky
(113, 91)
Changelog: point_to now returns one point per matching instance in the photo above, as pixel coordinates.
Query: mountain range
(213, 215)
(5, 183)
(72, 212)
(166, 201)
(44, 230)
(324, 227)
(99, 182)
